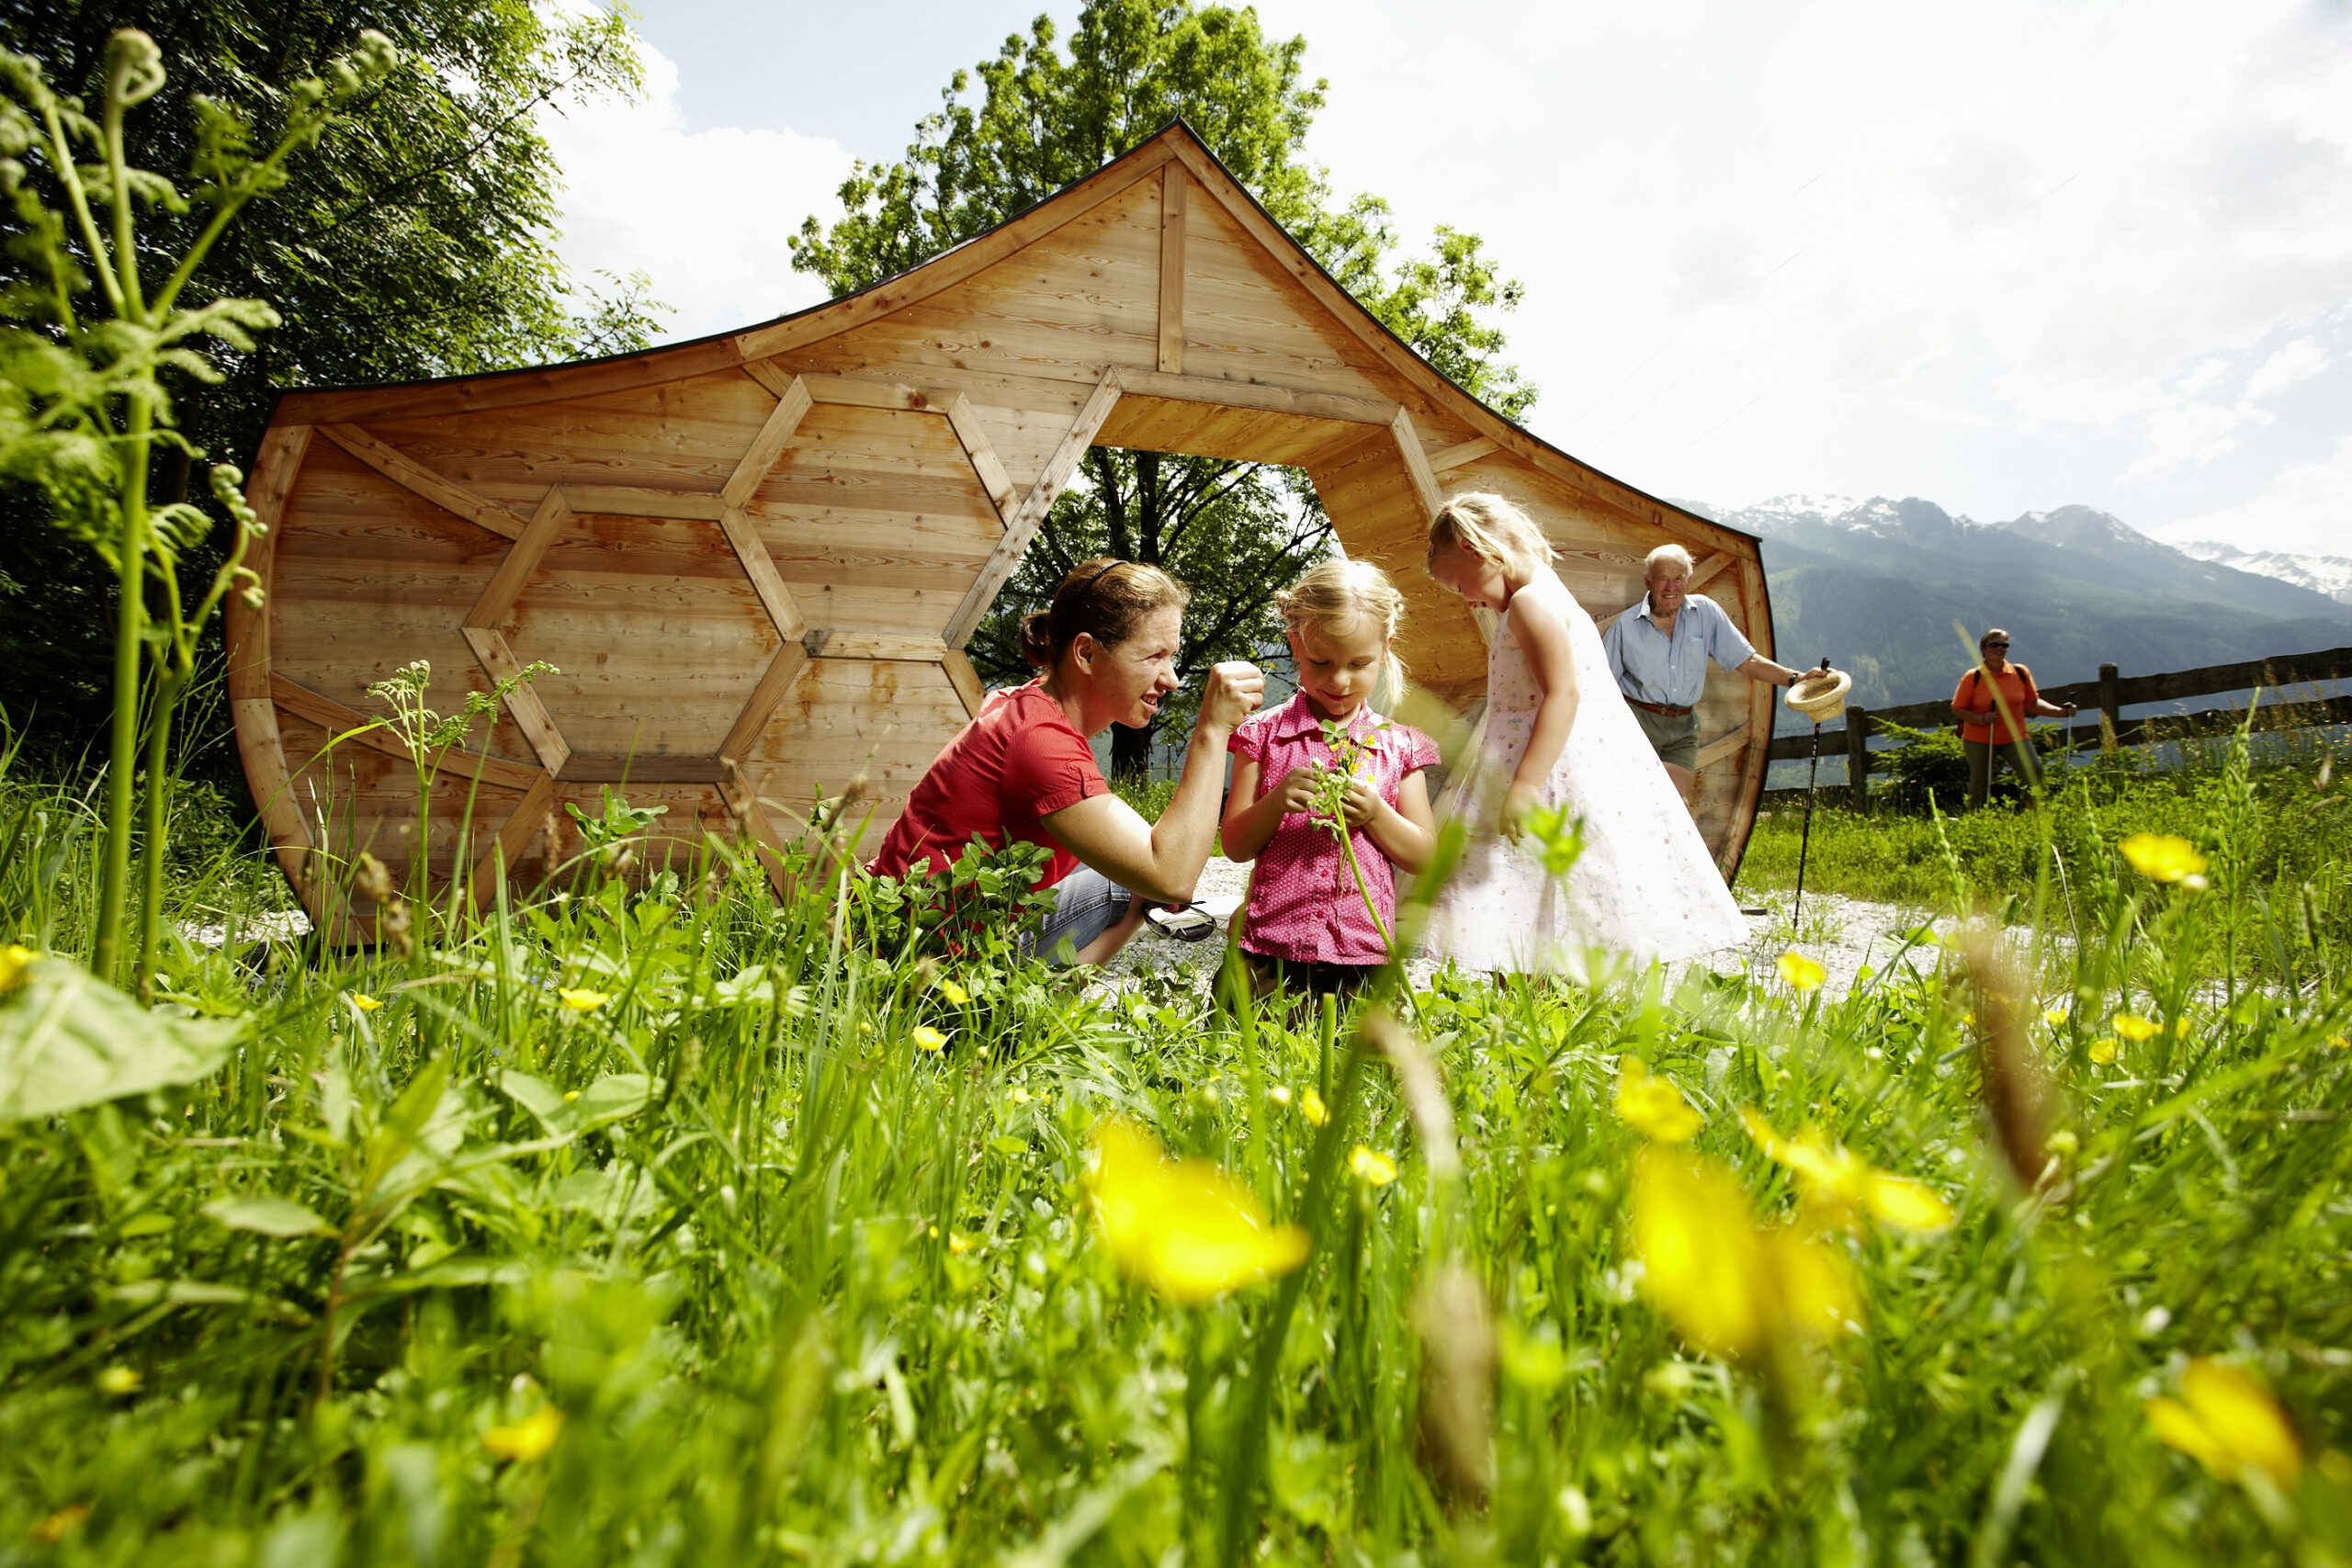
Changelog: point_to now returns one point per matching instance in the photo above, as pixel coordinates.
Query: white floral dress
(1645, 885)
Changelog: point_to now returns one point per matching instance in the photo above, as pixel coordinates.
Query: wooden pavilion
(768, 548)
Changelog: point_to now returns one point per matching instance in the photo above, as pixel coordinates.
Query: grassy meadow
(670, 1224)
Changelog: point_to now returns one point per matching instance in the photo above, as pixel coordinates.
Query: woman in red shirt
(1987, 733)
(1024, 768)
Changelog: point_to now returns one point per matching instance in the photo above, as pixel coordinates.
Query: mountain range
(1876, 586)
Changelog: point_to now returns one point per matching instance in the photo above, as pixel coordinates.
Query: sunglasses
(1997, 645)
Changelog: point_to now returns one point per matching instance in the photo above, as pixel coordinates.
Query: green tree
(414, 239)
(1036, 117)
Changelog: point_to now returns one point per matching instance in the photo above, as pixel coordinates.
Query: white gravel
(1842, 935)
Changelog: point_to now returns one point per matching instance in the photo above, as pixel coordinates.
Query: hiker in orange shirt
(1984, 733)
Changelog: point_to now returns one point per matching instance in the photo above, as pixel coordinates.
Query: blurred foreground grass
(673, 1224)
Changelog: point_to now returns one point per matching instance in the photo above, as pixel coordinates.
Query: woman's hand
(1362, 802)
(1518, 801)
(1232, 693)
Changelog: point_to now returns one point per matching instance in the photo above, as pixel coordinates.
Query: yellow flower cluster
(929, 1039)
(2161, 857)
(15, 959)
(527, 1440)
(1800, 973)
(1183, 1227)
(1731, 1287)
(1376, 1168)
(581, 999)
(2226, 1422)
(1833, 1177)
(1653, 1106)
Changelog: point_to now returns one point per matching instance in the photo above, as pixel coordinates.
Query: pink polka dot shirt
(1303, 900)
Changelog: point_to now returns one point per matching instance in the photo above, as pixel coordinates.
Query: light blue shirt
(1671, 672)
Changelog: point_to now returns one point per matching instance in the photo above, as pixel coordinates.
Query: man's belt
(1658, 707)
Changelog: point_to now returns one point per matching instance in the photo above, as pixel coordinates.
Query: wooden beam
(981, 452)
(1172, 269)
(531, 714)
(336, 718)
(876, 392)
(1417, 464)
(515, 568)
(411, 474)
(510, 388)
(643, 767)
(1758, 752)
(1263, 396)
(530, 815)
(1722, 746)
(1031, 513)
(965, 678)
(782, 674)
(633, 501)
(245, 628)
(767, 445)
(264, 753)
(760, 566)
(1464, 452)
(828, 643)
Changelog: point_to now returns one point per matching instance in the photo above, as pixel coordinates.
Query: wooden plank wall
(772, 558)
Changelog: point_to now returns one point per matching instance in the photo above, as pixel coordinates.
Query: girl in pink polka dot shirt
(1307, 924)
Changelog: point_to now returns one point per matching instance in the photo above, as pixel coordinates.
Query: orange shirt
(1974, 693)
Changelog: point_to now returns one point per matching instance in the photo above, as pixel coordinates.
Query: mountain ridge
(1877, 585)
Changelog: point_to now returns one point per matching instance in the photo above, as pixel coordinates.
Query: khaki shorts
(1676, 740)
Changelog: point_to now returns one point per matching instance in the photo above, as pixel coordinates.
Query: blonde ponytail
(1490, 528)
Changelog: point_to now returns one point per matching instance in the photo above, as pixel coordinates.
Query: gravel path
(1840, 934)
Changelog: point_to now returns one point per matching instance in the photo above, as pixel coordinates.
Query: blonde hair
(1674, 553)
(1340, 593)
(1490, 528)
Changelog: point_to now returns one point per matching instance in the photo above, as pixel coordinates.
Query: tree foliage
(1041, 115)
(414, 239)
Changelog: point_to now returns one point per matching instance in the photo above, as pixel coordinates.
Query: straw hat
(1820, 694)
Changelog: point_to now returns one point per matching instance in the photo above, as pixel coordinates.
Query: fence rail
(2109, 695)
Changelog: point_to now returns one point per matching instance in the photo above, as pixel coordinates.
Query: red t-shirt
(1974, 693)
(1020, 760)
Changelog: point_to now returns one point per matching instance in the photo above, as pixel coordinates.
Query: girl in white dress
(1558, 733)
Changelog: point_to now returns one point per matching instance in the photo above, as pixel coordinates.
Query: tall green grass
(639, 1224)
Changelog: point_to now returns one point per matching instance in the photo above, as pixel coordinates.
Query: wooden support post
(1857, 756)
(1172, 269)
(2110, 705)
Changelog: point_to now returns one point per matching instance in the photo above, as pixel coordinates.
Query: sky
(2005, 256)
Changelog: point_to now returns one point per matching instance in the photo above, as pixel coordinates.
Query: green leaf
(612, 1098)
(265, 1215)
(69, 1040)
(536, 1096)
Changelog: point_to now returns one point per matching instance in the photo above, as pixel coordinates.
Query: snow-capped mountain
(1878, 586)
(2331, 575)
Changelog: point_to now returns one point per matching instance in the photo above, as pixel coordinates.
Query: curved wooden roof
(754, 559)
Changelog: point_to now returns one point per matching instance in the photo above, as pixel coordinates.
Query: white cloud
(2298, 361)
(704, 214)
(2306, 510)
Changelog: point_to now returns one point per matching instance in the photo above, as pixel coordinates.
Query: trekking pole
(1805, 841)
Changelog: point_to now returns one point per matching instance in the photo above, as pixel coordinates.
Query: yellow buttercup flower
(2161, 857)
(958, 1243)
(1311, 1106)
(2180, 1027)
(1022, 1096)
(1279, 1094)
(954, 992)
(2056, 1020)
(2131, 1027)
(1183, 1227)
(2339, 1043)
(1729, 1288)
(1377, 1169)
(365, 1002)
(929, 1039)
(528, 1439)
(581, 999)
(2226, 1422)
(1801, 973)
(119, 1380)
(15, 959)
(1833, 1177)
(1654, 1106)
(2102, 1050)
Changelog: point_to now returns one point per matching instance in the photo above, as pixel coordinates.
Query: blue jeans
(1086, 904)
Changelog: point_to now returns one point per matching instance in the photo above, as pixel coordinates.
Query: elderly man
(1658, 651)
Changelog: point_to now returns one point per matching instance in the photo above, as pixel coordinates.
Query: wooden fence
(2107, 697)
